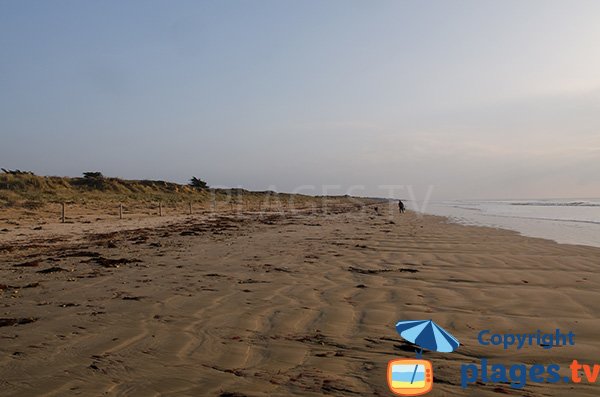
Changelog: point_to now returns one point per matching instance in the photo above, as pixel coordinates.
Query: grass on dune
(26, 190)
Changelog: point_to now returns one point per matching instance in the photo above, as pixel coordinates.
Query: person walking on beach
(401, 206)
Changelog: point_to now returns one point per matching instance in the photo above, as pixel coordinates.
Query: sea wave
(466, 208)
(559, 203)
(535, 218)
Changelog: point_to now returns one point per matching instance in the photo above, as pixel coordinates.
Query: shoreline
(457, 222)
(555, 220)
(286, 304)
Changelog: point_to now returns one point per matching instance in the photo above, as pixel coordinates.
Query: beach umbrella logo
(427, 335)
(414, 377)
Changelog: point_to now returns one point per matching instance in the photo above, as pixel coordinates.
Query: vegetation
(92, 180)
(93, 175)
(16, 172)
(18, 188)
(198, 183)
(26, 190)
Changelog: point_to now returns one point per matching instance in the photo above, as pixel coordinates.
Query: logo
(408, 377)
(518, 375)
(414, 377)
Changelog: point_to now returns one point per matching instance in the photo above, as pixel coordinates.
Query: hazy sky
(481, 99)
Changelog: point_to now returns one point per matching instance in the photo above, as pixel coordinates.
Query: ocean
(572, 221)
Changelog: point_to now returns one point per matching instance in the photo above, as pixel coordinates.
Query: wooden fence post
(120, 210)
(159, 209)
(190, 208)
(62, 212)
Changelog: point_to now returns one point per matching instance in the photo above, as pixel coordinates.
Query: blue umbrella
(427, 335)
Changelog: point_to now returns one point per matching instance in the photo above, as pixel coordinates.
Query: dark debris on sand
(107, 262)
(367, 271)
(30, 285)
(28, 264)
(75, 254)
(132, 298)
(407, 270)
(377, 271)
(53, 269)
(252, 281)
(7, 322)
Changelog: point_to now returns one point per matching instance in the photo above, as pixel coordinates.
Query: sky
(458, 99)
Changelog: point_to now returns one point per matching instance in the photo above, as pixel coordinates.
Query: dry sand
(280, 305)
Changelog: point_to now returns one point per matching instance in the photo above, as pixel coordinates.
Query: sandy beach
(207, 198)
(282, 304)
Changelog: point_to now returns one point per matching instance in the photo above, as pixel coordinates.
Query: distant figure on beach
(401, 206)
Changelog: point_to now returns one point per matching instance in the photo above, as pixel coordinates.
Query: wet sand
(279, 305)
